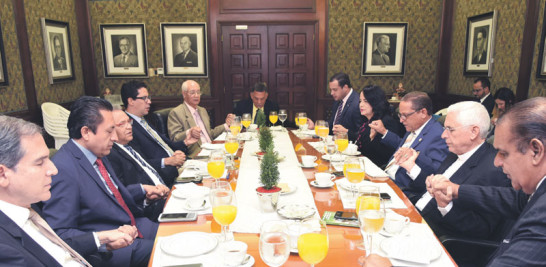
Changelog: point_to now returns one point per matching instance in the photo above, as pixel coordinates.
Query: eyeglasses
(145, 98)
(125, 123)
(452, 129)
(405, 116)
(194, 93)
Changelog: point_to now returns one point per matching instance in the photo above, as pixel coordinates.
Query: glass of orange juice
(301, 120)
(224, 211)
(313, 241)
(235, 126)
(354, 172)
(370, 221)
(232, 145)
(342, 142)
(246, 120)
(273, 117)
(321, 129)
(216, 165)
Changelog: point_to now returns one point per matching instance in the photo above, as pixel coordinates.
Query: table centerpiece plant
(268, 193)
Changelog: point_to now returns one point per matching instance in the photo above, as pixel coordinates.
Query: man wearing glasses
(481, 92)
(163, 154)
(190, 120)
(423, 137)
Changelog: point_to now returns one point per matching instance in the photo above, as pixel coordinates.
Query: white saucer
(187, 207)
(357, 153)
(309, 167)
(250, 261)
(314, 183)
(404, 232)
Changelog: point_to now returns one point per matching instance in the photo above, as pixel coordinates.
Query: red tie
(115, 191)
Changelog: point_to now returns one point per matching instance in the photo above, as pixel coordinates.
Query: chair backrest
(161, 116)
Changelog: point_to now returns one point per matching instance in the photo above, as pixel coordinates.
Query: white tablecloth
(249, 216)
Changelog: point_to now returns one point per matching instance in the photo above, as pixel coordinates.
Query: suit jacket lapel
(26, 241)
(422, 134)
(461, 175)
(139, 128)
(90, 170)
(205, 119)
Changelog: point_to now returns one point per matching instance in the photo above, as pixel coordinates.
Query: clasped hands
(177, 159)
(118, 238)
(441, 189)
(154, 193)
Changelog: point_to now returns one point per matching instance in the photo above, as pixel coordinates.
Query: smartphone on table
(346, 215)
(177, 217)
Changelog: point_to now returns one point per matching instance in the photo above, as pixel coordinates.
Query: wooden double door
(282, 55)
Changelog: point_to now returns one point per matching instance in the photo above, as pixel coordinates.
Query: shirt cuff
(162, 163)
(97, 241)
(447, 208)
(226, 127)
(383, 137)
(414, 172)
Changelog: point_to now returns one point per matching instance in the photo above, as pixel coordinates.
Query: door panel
(283, 56)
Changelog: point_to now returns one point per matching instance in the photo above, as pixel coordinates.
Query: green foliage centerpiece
(268, 193)
(265, 139)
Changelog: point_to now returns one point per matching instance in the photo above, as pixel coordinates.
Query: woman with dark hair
(374, 106)
(504, 99)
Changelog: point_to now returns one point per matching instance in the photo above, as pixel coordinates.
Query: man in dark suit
(520, 138)
(131, 168)
(25, 175)
(470, 161)
(59, 61)
(163, 154)
(86, 194)
(379, 55)
(423, 137)
(482, 94)
(345, 111)
(480, 57)
(258, 101)
(186, 58)
(126, 58)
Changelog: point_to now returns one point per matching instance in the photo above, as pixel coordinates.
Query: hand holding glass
(235, 126)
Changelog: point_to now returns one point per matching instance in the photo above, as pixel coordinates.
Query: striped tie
(157, 138)
(144, 163)
(338, 112)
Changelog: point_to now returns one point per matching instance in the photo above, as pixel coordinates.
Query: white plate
(351, 154)
(309, 167)
(250, 261)
(404, 232)
(336, 157)
(412, 249)
(290, 188)
(189, 244)
(202, 207)
(296, 211)
(183, 194)
(315, 184)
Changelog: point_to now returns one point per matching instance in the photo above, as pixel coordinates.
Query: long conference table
(343, 240)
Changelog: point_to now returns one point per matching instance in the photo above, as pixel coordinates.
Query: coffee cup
(308, 161)
(395, 223)
(252, 127)
(196, 199)
(323, 178)
(234, 253)
(351, 149)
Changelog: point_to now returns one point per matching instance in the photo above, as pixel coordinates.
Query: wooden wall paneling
(277, 6)
(87, 52)
(33, 114)
(527, 49)
(444, 49)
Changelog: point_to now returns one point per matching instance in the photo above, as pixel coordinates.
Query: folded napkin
(179, 205)
(221, 137)
(318, 146)
(211, 146)
(193, 168)
(372, 169)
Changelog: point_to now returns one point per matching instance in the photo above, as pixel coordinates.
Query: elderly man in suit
(345, 111)
(470, 161)
(258, 101)
(158, 150)
(423, 136)
(188, 57)
(379, 55)
(520, 138)
(189, 120)
(131, 168)
(483, 95)
(86, 194)
(126, 58)
(25, 176)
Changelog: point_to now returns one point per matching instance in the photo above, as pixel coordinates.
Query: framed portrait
(384, 48)
(3, 71)
(58, 50)
(124, 50)
(480, 40)
(184, 49)
(541, 65)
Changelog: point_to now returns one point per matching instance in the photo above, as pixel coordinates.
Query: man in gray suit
(520, 138)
